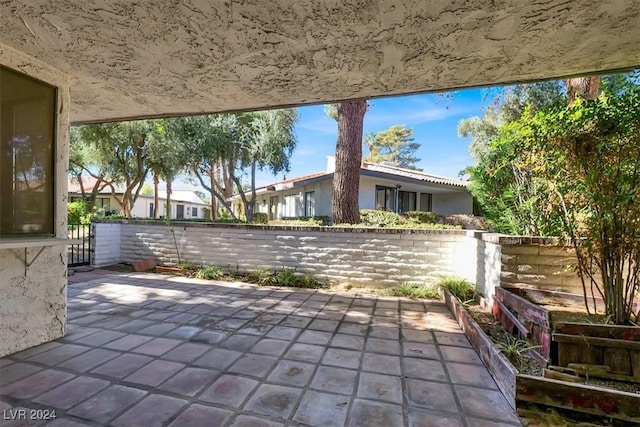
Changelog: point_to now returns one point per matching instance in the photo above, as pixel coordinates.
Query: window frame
(394, 201)
(309, 195)
(53, 199)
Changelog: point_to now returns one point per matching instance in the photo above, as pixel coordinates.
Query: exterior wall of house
(142, 208)
(33, 299)
(453, 203)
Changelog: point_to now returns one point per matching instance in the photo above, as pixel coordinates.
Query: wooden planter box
(502, 371)
(531, 320)
(617, 347)
(516, 387)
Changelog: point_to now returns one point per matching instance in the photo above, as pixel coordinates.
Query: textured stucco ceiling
(159, 57)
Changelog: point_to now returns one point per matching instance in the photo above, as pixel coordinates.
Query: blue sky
(433, 118)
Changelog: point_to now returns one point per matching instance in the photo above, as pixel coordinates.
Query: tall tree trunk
(346, 178)
(168, 212)
(582, 87)
(249, 209)
(156, 199)
(212, 179)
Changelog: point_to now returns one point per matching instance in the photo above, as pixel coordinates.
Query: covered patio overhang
(162, 57)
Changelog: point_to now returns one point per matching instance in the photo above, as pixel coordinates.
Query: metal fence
(80, 253)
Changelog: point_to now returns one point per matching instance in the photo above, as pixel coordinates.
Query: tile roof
(409, 173)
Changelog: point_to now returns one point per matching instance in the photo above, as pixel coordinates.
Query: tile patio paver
(144, 349)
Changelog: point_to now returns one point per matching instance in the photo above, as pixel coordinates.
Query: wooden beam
(629, 333)
(555, 375)
(530, 311)
(504, 311)
(595, 341)
(584, 398)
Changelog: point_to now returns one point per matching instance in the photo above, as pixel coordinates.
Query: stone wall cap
(308, 228)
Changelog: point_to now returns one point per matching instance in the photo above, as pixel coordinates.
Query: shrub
(79, 212)
(209, 273)
(375, 218)
(423, 217)
(460, 288)
(297, 221)
(261, 276)
(304, 220)
(286, 277)
(417, 291)
(260, 218)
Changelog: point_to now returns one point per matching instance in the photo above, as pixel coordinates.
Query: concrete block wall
(362, 257)
(106, 244)
(539, 262)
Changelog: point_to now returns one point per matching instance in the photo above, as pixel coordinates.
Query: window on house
(310, 203)
(27, 155)
(194, 212)
(426, 201)
(406, 201)
(103, 203)
(273, 207)
(151, 210)
(386, 198)
(289, 206)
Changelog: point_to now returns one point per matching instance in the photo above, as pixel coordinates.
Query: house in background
(185, 204)
(382, 186)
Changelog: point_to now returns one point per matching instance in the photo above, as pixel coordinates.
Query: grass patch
(462, 289)
(417, 291)
(210, 273)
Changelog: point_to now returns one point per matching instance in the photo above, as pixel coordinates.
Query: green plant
(286, 277)
(261, 276)
(209, 273)
(80, 212)
(461, 288)
(515, 349)
(308, 281)
(260, 218)
(187, 266)
(417, 291)
(423, 217)
(376, 218)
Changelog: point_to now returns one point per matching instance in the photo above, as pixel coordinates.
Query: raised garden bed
(561, 388)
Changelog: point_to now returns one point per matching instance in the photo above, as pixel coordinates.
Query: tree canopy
(395, 145)
(569, 167)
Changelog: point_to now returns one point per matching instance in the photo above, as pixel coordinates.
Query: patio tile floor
(150, 350)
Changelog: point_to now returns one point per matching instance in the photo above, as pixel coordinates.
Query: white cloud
(415, 116)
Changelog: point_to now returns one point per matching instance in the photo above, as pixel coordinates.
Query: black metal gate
(79, 253)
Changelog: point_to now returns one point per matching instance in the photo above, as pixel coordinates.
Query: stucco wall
(453, 203)
(373, 258)
(33, 302)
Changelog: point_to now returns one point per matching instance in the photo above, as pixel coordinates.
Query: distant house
(184, 203)
(382, 186)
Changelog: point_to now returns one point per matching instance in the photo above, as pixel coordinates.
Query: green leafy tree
(502, 178)
(224, 149)
(115, 154)
(593, 179)
(395, 145)
(166, 158)
(266, 140)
